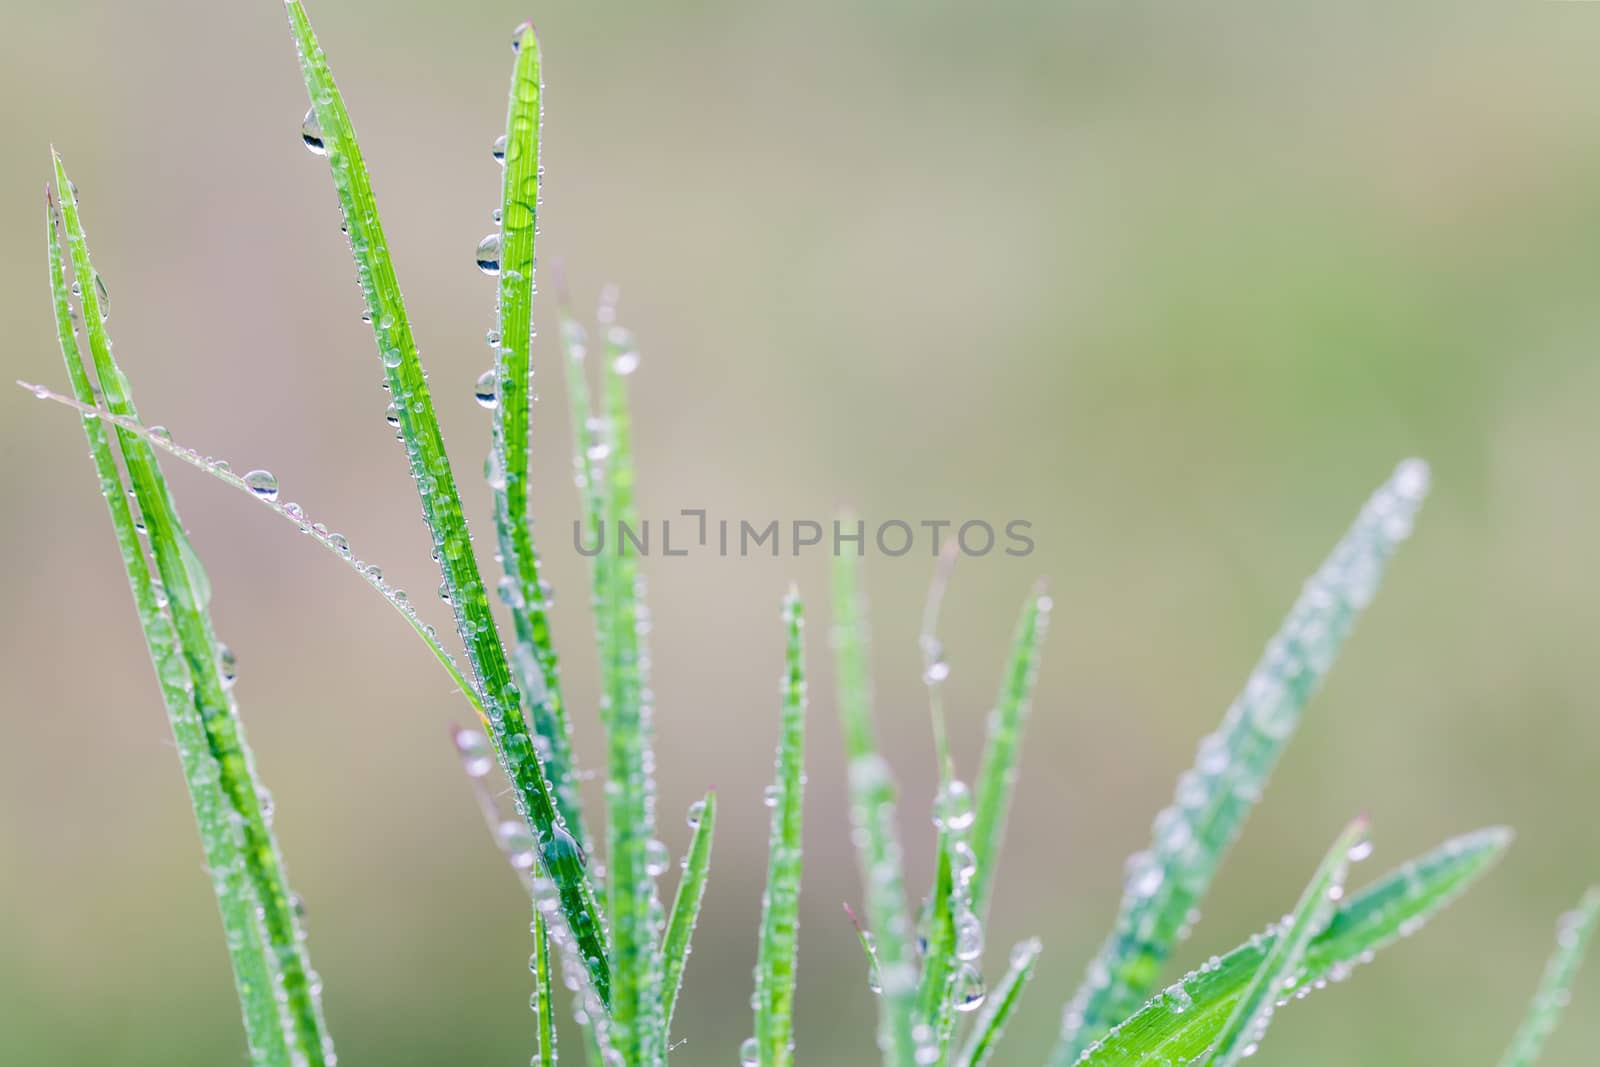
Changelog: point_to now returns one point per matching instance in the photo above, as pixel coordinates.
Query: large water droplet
(263, 484)
(498, 150)
(227, 666)
(487, 390)
(697, 811)
(749, 1053)
(489, 254)
(968, 988)
(311, 132)
(954, 808)
(656, 859)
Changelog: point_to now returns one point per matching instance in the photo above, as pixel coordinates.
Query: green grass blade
(998, 772)
(188, 591)
(1247, 1023)
(630, 787)
(543, 1002)
(1166, 883)
(780, 905)
(1555, 988)
(265, 1033)
(335, 543)
(872, 814)
(560, 853)
(586, 472)
(1181, 1023)
(534, 658)
(999, 1006)
(686, 905)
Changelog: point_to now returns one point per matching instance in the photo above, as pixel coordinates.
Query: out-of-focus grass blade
(1164, 884)
(188, 594)
(1555, 988)
(872, 813)
(329, 132)
(543, 1005)
(336, 543)
(780, 906)
(534, 658)
(997, 1009)
(686, 905)
(998, 772)
(1247, 1023)
(1181, 1023)
(630, 786)
(586, 474)
(265, 1033)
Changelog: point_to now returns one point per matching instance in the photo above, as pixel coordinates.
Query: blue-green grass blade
(998, 1008)
(872, 814)
(332, 135)
(686, 905)
(780, 905)
(1247, 1024)
(998, 771)
(1164, 884)
(534, 657)
(1573, 934)
(265, 1033)
(188, 594)
(1181, 1023)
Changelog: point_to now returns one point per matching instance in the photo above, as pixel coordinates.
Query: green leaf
(998, 771)
(1181, 1023)
(188, 594)
(253, 979)
(997, 1009)
(543, 1002)
(1166, 883)
(872, 814)
(780, 907)
(560, 853)
(1247, 1023)
(1555, 988)
(686, 905)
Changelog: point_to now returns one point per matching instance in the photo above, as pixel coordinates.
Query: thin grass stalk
(686, 904)
(1000, 1005)
(1573, 934)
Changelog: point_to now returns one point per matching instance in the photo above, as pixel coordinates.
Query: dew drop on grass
(749, 1053)
(476, 758)
(954, 809)
(104, 298)
(969, 989)
(626, 363)
(263, 484)
(392, 415)
(969, 936)
(770, 795)
(489, 254)
(227, 666)
(517, 840)
(697, 811)
(311, 133)
(498, 150)
(486, 392)
(656, 859)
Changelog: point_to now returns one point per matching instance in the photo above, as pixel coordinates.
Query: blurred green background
(1178, 285)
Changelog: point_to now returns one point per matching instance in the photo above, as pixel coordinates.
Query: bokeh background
(1178, 285)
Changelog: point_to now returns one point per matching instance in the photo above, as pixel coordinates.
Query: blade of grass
(686, 905)
(1555, 988)
(630, 787)
(575, 348)
(189, 593)
(780, 905)
(1000, 1005)
(333, 542)
(265, 1033)
(560, 853)
(1181, 1023)
(1247, 1023)
(998, 772)
(543, 1002)
(537, 666)
(872, 814)
(1165, 883)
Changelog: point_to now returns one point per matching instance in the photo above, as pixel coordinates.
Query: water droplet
(340, 542)
(1178, 999)
(697, 811)
(749, 1053)
(498, 150)
(489, 254)
(954, 809)
(770, 795)
(968, 990)
(486, 391)
(476, 757)
(103, 297)
(626, 363)
(263, 484)
(311, 133)
(517, 840)
(392, 415)
(969, 936)
(227, 666)
(656, 859)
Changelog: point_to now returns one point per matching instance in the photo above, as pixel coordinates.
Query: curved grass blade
(630, 787)
(998, 772)
(872, 814)
(1181, 1023)
(265, 1033)
(534, 657)
(560, 853)
(543, 1003)
(1165, 883)
(333, 542)
(686, 905)
(999, 1006)
(780, 905)
(1555, 988)
(189, 593)
(1247, 1023)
